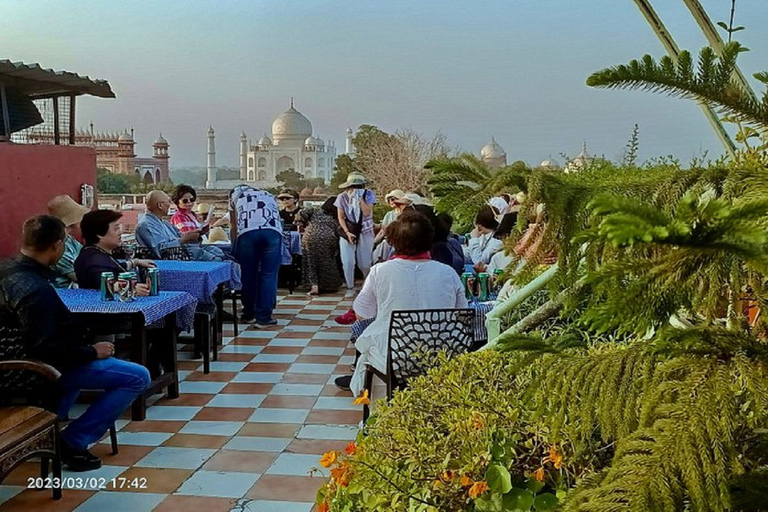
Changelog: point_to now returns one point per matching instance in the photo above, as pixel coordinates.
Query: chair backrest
(417, 336)
(17, 384)
(176, 253)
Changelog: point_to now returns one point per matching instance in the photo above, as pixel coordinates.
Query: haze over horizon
(512, 70)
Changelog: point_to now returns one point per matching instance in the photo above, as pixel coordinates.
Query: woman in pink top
(185, 219)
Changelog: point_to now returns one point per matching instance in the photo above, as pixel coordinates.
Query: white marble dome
(265, 141)
(549, 163)
(492, 150)
(161, 140)
(125, 137)
(291, 125)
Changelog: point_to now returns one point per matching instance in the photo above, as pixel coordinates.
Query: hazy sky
(514, 69)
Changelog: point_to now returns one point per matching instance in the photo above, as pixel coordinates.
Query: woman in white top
(411, 280)
(483, 244)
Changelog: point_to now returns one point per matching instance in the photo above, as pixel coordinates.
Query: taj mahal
(292, 146)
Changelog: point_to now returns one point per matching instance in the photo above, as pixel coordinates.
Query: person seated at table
(101, 231)
(288, 201)
(499, 259)
(202, 210)
(482, 243)
(441, 250)
(410, 280)
(157, 234)
(320, 245)
(70, 213)
(256, 230)
(185, 219)
(51, 334)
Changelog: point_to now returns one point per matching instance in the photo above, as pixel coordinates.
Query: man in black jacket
(51, 335)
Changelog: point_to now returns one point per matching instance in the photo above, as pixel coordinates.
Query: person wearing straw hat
(65, 209)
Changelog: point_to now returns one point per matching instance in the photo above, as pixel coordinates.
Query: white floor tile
(218, 484)
(120, 501)
(336, 403)
(296, 464)
(258, 444)
(236, 400)
(312, 368)
(289, 342)
(275, 358)
(212, 428)
(172, 412)
(199, 386)
(258, 377)
(322, 351)
(241, 349)
(263, 415)
(176, 458)
(334, 432)
(297, 389)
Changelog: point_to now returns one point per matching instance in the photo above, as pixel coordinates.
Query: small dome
(243, 136)
(306, 192)
(319, 141)
(549, 164)
(161, 140)
(291, 125)
(311, 141)
(349, 131)
(319, 191)
(492, 150)
(210, 130)
(125, 137)
(265, 141)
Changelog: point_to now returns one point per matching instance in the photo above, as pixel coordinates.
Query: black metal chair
(416, 337)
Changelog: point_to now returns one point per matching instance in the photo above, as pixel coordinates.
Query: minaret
(350, 149)
(243, 156)
(211, 181)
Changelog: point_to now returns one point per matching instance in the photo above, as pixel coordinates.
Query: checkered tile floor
(245, 437)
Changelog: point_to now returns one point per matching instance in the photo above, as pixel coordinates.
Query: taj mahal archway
(284, 163)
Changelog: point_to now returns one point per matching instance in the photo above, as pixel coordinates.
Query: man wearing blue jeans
(256, 229)
(29, 301)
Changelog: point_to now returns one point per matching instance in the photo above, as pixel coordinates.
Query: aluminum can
(465, 280)
(153, 277)
(497, 279)
(123, 290)
(484, 290)
(107, 286)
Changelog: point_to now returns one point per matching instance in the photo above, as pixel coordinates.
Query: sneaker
(247, 319)
(266, 323)
(78, 460)
(343, 382)
(347, 318)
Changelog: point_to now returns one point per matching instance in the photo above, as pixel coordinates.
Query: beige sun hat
(354, 178)
(202, 208)
(217, 234)
(397, 194)
(66, 209)
(413, 198)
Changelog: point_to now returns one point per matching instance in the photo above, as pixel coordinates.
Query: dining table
(169, 310)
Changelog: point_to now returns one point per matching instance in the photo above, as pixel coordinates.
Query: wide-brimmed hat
(289, 193)
(500, 204)
(413, 198)
(202, 208)
(397, 194)
(66, 209)
(217, 234)
(354, 178)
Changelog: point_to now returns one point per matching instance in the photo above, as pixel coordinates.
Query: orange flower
(466, 481)
(341, 475)
(362, 399)
(351, 448)
(437, 484)
(323, 507)
(328, 459)
(554, 457)
(477, 489)
(448, 475)
(539, 475)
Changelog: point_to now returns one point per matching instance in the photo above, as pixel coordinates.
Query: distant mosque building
(580, 162)
(116, 153)
(291, 147)
(493, 154)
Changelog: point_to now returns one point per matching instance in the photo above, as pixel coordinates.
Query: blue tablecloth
(154, 309)
(198, 278)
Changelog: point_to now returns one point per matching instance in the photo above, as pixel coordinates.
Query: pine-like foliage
(707, 80)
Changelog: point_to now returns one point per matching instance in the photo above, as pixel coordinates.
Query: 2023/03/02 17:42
(94, 483)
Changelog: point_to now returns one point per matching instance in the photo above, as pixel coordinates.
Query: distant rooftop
(38, 83)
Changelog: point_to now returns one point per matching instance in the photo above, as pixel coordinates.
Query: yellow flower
(539, 475)
(437, 484)
(323, 507)
(448, 475)
(328, 459)
(351, 448)
(362, 399)
(466, 481)
(341, 475)
(554, 457)
(477, 489)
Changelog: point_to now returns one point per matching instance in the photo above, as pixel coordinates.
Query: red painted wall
(30, 176)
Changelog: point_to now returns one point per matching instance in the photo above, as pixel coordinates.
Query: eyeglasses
(284, 198)
(187, 201)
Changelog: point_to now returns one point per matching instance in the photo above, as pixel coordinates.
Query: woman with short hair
(410, 280)
(185, 219)
(483, 244)
(288, 200)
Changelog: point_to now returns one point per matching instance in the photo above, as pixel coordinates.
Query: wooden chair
(415, 339)
(28, 431)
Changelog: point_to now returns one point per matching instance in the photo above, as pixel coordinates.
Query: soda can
(153, 276)
(497, 279)
(484, 291)
(107, 286)
(123, 290)
(465, 277)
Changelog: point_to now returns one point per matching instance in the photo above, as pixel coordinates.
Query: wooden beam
(56, 134)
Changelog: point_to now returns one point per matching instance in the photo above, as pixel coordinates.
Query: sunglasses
(187, 201)
(285, 198)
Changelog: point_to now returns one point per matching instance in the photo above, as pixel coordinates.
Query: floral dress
(320, 245)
